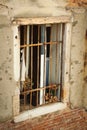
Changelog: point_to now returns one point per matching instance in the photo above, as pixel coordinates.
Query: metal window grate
(41, 59)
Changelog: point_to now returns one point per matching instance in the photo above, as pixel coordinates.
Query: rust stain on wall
(85, 79)
(78, 3)
(85, 59)
(2, 5)
(64, 93)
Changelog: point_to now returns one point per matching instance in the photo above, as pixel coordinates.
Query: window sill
(39, 111)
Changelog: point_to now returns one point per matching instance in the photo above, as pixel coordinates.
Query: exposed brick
(63, 120)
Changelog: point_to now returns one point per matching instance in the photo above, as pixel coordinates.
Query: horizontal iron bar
(38, 89)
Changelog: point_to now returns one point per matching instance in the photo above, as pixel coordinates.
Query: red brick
(63, 120)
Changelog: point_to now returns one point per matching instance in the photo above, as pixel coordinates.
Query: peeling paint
(85, 78)
(2, 5)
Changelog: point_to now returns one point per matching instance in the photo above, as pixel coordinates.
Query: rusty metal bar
(25, 40)
(50, 61)
(25, 35)
(24, 100)
(63, 27)
(39, 44)
(56, 68)
(44, 80)
(31, 45)
(44, 44)
(50, 58)
(42, 63)
(38, 62)
(45, 87)
(31, 64)
(27, 51)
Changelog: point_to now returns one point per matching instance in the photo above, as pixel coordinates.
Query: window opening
(41, 61)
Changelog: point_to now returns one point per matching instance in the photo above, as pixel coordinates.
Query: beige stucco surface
(38, 8)
(85, 75)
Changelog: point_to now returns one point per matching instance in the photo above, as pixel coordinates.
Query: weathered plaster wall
(85, 75)
(8, 10)
(77, 58)
(37, 8)
(7, 83)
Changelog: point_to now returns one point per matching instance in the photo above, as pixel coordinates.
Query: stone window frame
(16, 22)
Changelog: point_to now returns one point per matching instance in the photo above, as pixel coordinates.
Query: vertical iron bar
(24, 101)
(25, 38)
(50, 58)
(27, 52)
(62, 60)
(59, 56)
(44, 64)
(56, 69)
(51, 54)
(38, 62)
(31, 65)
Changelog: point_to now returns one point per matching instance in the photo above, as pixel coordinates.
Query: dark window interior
(41, 58)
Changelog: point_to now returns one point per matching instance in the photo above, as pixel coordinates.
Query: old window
(41, 64)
